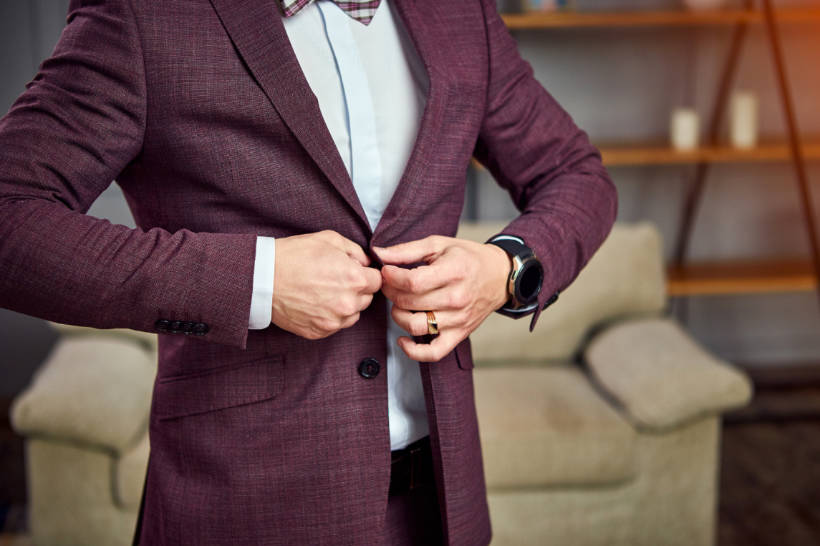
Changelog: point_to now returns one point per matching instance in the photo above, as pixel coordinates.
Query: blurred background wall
(619, 85)
(28, 32)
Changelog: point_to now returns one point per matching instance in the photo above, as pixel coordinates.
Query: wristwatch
(526, 276)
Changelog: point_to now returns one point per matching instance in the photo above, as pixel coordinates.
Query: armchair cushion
(94, 390)
(660, 375)
(543, 427)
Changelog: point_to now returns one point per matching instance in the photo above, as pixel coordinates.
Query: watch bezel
(523, 260)
(525, 266)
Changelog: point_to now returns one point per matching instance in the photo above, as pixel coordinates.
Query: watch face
(528, 284)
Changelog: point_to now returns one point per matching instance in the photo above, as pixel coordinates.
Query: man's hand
(321, 283)
(462, 283)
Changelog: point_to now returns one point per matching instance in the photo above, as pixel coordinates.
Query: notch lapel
(258, 33)
(427, 46)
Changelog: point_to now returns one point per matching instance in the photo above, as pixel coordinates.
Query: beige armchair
(85, 419)
(601, 427)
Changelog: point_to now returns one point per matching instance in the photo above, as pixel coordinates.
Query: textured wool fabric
(206, 121)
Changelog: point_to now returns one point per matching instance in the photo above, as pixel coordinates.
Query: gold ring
(432, 323)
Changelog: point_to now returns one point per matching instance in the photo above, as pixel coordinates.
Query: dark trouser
(413, 515)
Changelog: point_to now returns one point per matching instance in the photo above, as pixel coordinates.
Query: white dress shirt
(371, 87)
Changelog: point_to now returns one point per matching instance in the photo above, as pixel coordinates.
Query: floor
(770, 470)
(769, 481)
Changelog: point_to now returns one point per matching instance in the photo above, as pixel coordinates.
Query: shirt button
(369, 368)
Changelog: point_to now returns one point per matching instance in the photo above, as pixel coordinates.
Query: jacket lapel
(258, 33)
(419, 21)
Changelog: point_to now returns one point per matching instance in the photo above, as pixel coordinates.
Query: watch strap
(512, 245)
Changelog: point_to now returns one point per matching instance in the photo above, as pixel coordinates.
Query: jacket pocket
(464, 355)
(221, 388)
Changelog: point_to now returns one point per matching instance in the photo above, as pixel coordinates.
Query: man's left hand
(462, 282)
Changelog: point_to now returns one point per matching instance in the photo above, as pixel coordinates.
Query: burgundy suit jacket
(200, 111)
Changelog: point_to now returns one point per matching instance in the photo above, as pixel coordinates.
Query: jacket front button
(162, 324)
(369, 368)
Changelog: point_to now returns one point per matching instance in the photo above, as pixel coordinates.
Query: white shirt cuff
(262, 299)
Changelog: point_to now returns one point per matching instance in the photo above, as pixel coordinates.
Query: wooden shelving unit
(643, 154)
(748, 277)
(519, 21)
(688, 279)
(616, 155)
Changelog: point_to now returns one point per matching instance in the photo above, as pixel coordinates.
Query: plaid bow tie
(361, 10)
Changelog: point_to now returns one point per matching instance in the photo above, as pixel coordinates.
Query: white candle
(684, 129)
(743, 120)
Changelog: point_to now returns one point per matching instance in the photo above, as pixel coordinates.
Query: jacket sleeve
(79, 123)
(535, 151)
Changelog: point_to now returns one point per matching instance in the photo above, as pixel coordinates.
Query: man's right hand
(321, 283)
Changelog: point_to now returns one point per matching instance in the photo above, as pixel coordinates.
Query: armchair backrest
(625, 277)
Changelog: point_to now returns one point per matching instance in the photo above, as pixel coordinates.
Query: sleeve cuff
(263, 269)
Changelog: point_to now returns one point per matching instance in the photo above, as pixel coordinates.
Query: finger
(365, 301)
(372, 279)
(433, 351)
(348, 247)
(356, 252)
(421, 250)
(349, 321)
(415, 324)
(418, 280)
(448, 298)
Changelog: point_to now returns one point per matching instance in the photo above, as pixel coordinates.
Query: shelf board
(620, 154)
(569, 19)
(745, 277)
(646, 154)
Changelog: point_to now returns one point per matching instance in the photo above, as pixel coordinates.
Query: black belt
(412, 467)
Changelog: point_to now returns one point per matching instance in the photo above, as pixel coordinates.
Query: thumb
(421, 250)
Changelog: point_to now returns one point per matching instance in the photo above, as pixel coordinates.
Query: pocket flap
(220, 388)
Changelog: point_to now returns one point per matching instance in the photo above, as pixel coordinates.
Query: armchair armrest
(147, 339)
(660, 376)
(93, 390)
